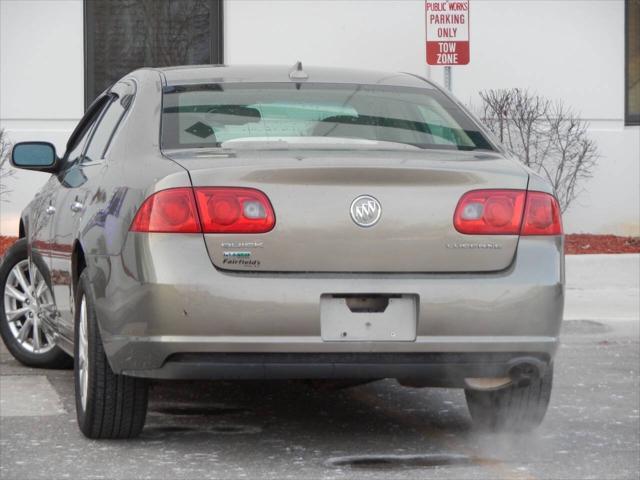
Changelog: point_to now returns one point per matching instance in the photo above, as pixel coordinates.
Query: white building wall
(41, 84)
(562, 49)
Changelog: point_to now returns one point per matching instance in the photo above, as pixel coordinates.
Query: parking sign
(447, 32)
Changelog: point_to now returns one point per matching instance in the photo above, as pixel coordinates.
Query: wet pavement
(296, 430)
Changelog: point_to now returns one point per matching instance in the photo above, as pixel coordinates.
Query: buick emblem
(365, 211)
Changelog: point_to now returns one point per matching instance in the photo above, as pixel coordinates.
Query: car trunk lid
(312, 192)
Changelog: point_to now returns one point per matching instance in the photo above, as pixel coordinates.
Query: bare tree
(5, 170)
(547, 136)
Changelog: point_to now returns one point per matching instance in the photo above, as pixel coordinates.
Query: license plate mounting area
(375, 317)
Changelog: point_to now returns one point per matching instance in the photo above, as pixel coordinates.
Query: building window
(632, 62)
(123, 35)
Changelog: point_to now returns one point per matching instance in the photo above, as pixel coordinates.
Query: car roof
(199, 74)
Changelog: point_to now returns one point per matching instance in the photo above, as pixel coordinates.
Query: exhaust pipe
(523, 370)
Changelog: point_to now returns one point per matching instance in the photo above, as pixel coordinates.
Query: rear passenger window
(103, 133)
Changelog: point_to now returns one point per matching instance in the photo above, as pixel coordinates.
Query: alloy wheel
(83, 353)
(27, 302)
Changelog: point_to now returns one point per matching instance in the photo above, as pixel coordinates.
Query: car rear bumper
(166, 312)
(437, 369)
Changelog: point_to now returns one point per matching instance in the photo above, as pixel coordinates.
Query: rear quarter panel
(134, 168)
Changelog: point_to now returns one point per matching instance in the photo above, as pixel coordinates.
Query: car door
(79, 185)
(41, 226)
(58, 249)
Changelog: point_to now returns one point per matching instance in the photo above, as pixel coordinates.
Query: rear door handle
(76, 206)
(50, 210)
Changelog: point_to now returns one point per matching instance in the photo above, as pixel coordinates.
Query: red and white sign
(447, 32)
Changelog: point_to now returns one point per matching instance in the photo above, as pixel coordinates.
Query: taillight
(507, 212)
(210, 210)
(234, 210)
(542, 215)
(168, 211)
(490, 212)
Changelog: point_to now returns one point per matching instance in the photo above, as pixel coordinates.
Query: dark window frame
(630, 119)
(85, 125)
(112, 97)
(216, 49)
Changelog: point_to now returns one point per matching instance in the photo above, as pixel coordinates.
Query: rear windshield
(295, 115)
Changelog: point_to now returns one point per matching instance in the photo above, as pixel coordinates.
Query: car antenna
(297, 73)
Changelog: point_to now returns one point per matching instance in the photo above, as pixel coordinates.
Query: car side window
(78, 139)
(103, 132)
(75, 154)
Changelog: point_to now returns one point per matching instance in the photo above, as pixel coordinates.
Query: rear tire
(108, 406)
(511, 409)
(15, 297)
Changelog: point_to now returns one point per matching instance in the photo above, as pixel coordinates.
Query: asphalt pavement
(379, 430)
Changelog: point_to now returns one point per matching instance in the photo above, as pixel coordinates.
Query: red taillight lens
(168, 211)
(234, 210)
(490, 212)
(542, 215)
(507, 212)
(211, 210)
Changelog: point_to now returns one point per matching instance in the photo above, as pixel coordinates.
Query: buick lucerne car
(228, 222)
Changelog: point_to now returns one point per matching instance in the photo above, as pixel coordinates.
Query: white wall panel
(41, 50)
(379, 34)
(563, 49)
(41, 84)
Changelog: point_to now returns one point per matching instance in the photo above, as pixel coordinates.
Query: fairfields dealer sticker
(447, 32)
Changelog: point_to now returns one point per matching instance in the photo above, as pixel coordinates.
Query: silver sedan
(220, 222)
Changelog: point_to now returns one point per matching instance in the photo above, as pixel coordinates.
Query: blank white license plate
(368, 318)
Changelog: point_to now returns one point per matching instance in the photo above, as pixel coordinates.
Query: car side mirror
(39, 156)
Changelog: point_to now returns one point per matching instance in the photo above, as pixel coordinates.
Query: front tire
(25, 299)
(513, 408)
(108, 405)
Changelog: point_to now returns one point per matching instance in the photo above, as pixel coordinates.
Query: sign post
(447, 23)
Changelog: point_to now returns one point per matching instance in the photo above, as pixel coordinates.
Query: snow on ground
(602, 287)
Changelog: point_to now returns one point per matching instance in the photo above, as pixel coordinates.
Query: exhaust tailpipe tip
(524, 370)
